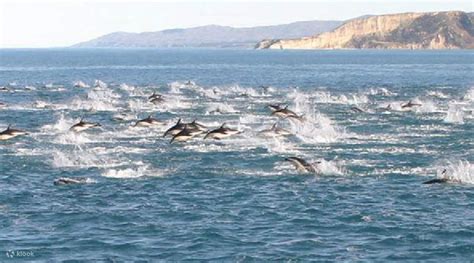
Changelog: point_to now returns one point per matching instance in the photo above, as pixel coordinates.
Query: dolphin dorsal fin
(194, 121)
(179, 121)
(274, 126)
(9, 126)
(223, 125)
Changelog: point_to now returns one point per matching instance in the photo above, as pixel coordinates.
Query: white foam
(137, 172)
(83, 159)
(175, 87)
(427, 106)
(126, 87)
(438, 94)
(380, 91)
(103, 99)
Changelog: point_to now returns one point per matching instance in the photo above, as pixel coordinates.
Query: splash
(100, 84)
(459, 172)
(175, 87)
(380, 92)
(316, 127)
(220, 108)
(80, 84)
(62, 125)
(454, 115)
(469, 96)
(329, 168)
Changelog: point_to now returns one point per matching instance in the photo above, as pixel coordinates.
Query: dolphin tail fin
(301, 117)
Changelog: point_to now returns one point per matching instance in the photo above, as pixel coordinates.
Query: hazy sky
(56, 23)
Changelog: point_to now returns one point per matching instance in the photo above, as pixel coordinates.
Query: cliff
(437, 30)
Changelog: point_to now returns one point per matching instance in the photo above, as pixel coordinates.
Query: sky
(59, 23)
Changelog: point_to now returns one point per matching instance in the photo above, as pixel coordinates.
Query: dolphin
(301, 165)
(80, 84)
(442, 180)
(221, 133)
(154, 95)
(286, 113)
(10, 133)
(157, 99)
(357, 109)
(275, 107)
(185, 134)
(148, 122)
(179, 126)
(274, 131)
(198, 126)
(410, 104)
(83, 125)
(68, 180)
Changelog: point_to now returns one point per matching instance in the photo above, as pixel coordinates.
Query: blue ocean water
(237, 199)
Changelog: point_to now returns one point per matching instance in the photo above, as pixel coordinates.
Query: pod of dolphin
(182, 132)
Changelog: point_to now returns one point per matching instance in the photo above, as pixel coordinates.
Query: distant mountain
(435, 30)
(211, 36)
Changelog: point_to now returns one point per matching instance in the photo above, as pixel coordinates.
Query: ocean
(237, 199)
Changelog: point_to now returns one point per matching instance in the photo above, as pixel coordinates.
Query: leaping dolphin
(410, 104)
(221, 133)
(274, 131)
(179, 126)
(286, 113)
(301, 165)
(83, 125)
(10, 133)
(148, 122)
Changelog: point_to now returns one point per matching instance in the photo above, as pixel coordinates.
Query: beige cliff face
(404, 31)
